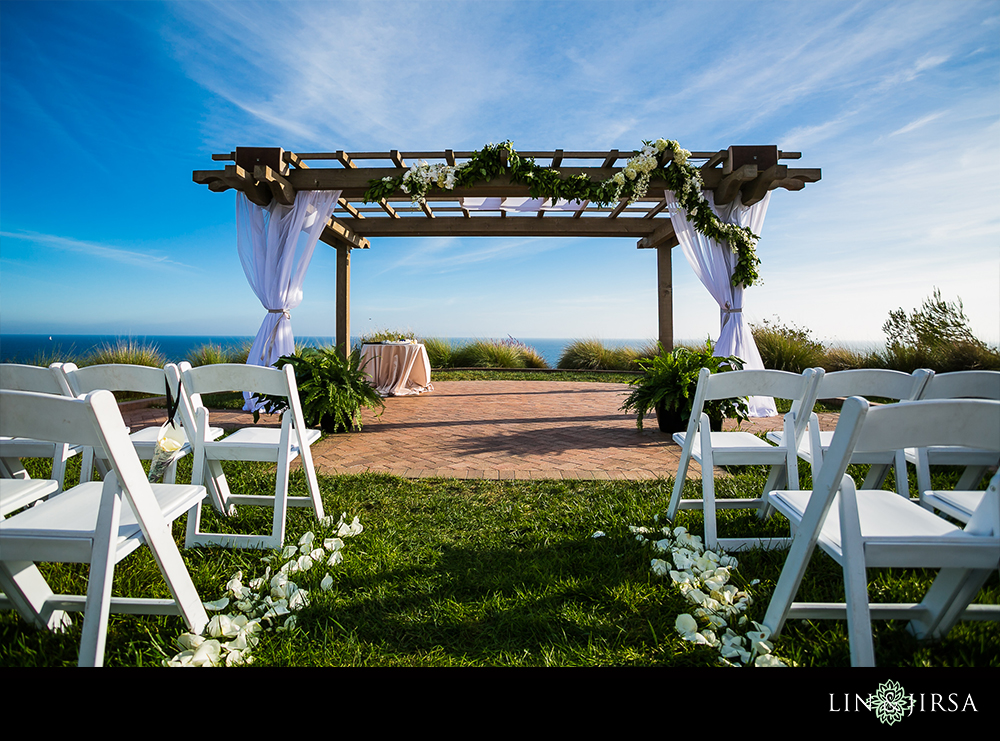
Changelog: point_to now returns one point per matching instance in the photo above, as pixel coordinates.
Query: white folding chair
(18, 493)
(712, 449)
(957, 385)
(868, 383)
(17, 377)
(96, 522)
(136, 379)
(280, 446)
(881, 529)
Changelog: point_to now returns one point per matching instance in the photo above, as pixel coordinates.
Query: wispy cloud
(103, 252)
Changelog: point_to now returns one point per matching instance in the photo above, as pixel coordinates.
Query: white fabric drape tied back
(714, 262)
(276, 244)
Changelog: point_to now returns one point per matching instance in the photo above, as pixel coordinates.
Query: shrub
(210, 354)
(787, 347)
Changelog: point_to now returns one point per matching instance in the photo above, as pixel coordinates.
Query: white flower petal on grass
(289, 551)
(298, 599)
(189, 641)
(317, 554)
(219, 604)
(335, 558)
(769, 660)
(659, 567)
(333, 544)
(222, 626)
(307, 538)
(327, 584)
(598, 534)
(305, 563)
(686, 624)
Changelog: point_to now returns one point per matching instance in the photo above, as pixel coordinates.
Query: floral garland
(703, 577)
(662, 159)
(265, 603)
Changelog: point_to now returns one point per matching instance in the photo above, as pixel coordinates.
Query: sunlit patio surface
(498, 430)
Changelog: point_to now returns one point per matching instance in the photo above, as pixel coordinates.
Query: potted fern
(668, 386)
(332, 388)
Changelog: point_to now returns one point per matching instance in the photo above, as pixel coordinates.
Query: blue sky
(107, 107)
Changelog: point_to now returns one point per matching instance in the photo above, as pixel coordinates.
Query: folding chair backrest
(874, 382)
(61, 419)
(981, 384)
(17, 377)
(780, 384)
(917, 424)
(221, 377)
(140, 379)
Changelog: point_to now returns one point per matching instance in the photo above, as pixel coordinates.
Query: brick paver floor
(498, 430)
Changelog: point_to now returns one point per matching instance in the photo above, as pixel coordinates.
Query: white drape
(713, 262)
(275, 245)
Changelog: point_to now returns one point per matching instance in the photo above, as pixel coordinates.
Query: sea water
(33, 348)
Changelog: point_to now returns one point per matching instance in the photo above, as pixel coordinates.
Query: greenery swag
(660, 160)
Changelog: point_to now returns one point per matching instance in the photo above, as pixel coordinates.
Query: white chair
(254, 443)
(96, 522)
(881, 529)
(136, 379)
(17, 377)
(18, 493)
(712, 449)
(958, 385)
(868, 383)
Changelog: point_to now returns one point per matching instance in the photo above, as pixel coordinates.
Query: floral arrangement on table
(662, 159)
(704, 578)
(267, 603)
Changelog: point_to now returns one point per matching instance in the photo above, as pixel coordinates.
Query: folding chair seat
(868, 383)
(280, 446)
(958, 385)
(98, 523)
(17, 377)
(882, 529)
(139, 379)
(18, 493)
(712, 449)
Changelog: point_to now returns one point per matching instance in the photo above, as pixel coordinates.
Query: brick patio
(498, 430)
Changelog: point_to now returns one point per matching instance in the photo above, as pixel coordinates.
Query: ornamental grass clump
(212, 354)
(593, 354)
(439, 352)
(509, 353)
(787, 347)
(126, 352)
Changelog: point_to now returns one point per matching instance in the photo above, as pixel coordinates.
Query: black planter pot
(328, 423)
(671, 422)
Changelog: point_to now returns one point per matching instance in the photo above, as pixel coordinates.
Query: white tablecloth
(397, 369)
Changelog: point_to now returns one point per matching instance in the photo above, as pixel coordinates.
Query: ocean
(36, 348)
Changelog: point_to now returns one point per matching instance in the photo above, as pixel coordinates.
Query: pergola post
(665, 297)
(343, 338)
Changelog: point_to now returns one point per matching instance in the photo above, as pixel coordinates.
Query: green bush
(386, 335)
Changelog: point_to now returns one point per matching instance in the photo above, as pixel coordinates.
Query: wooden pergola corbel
(266, 173)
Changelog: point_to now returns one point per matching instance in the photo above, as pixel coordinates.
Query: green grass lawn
(488, 573)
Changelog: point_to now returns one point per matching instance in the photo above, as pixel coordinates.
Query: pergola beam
(269, 173)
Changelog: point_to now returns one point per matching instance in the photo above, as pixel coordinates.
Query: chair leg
(102, 568)
(25, 587)
(949, 595)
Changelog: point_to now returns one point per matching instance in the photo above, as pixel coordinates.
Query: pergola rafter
(270, 173)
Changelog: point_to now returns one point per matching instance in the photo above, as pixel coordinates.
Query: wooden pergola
(265, 173)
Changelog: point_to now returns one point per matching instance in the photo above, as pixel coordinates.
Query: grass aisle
(485, 573)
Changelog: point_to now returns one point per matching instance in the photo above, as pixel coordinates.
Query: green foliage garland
(658, 160)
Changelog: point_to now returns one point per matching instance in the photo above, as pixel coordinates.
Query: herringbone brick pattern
(498, 430)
